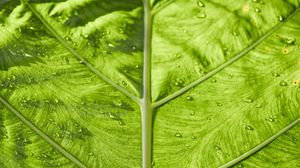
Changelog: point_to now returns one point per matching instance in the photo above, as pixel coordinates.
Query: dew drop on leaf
(110, 45)
(250, 128)
(248, 100)
(217, 147)
(257, 10)
(178, 56)
(283, 83)
(201, 15)
(258, 106)
(91, 153)
(124, 83)
(178, 135)
(189, 98)
(113, 116)
(280, 18)
(121, 122)
(270, 119)
(214, 80)
(235, 33)
(67, 38)
(193, 137)
(290, 41)
(240, 166)
(275, 74)
(200, 4)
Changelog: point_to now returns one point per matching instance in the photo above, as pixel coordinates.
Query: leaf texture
(80, 79)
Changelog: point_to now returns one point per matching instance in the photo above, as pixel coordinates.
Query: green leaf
(161, 83)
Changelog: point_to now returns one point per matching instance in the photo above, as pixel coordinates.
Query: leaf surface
(84, 82)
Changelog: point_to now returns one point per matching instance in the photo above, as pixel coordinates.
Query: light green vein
(260, 146)
(41, 133)
(221, 67)
(78, 56)
(146, 107)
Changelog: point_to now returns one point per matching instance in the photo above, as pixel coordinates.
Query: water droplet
(27, 55)
(178, 56)
(133, 48)
(275, 74)
(110, 45)
(280, 18)
(67, 38)
(257, 10)
(290, 41)
(258, 106)
(124, 83)
(283, 83)
(56, 100)
(201, 15)
(270, 119)
(179, 82)
(178, 135)
(190, 98)
(200, 4)
(91, 153)
(235, 33)
(250, 128)
(217, 147)
(38, 158)
(248, 100)
(193, 137)
(153, 163)
(86, 36)
(214, 80)
(219, 104)
(81, 62)
(241, 165)
(113, 116)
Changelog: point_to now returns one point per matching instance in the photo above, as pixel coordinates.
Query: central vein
(146, 104)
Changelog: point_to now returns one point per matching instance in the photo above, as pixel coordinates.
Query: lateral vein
(78, 56)
(41, 133)
(260, 146)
